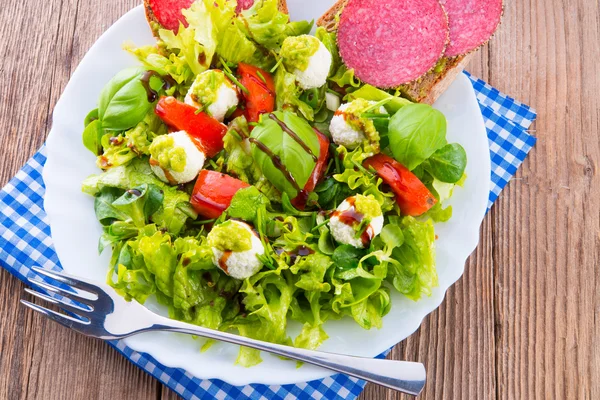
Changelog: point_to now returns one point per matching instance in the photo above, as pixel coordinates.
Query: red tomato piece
(317, 173)
(260, 98)
(213, 192)
(412, 195)
(206, 131)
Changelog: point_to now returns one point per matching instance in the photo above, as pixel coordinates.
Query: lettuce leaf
(412, 271)
(288, 94)
(269, 27)
(359, 180)
(175, 208)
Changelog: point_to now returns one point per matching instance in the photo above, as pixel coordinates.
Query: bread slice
(428, 87)
(155, 25)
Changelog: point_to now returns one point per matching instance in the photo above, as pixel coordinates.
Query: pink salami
(392, 42)
(472, 23)
(244, 5)
(168, 12)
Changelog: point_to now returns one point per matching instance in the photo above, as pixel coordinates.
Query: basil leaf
(114, 85)
(294, 158)
(346, 257)
(416, 131)
(124, 102)
(90, 117)
(448, 163)
(92, 137)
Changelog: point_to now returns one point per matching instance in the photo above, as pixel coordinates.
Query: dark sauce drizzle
(351, 217)
(276, 162)
(224, 258)
(293, 135)
(168, 82)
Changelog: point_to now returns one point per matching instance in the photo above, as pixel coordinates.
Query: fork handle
(404, 376)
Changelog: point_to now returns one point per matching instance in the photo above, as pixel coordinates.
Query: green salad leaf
(294, 158)
(448, 163)
(240, 162)
(268, 26)
(123, 101)
(416, 131)
(372, 93)
(413, 271)
(246, 203)
(289, 95)
(92, 136)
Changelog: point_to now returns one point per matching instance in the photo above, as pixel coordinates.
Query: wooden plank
(39, 358)
(547, 222)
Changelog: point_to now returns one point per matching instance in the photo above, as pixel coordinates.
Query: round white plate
(75, 231)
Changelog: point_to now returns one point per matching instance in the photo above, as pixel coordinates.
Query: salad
(249, 178)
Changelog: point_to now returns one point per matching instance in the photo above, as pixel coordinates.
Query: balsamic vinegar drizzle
(351, 217)
(276, 162)
(168, 82)
(293, 135)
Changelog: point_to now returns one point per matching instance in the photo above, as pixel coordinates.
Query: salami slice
(392, 42)
(472, 23)
(244, 5)
(168, 12)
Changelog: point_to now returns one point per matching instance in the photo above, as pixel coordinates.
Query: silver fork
(101, 313)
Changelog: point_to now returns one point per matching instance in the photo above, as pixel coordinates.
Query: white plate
(75, 230)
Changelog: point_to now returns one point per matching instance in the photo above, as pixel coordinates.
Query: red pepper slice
(412, 195)
(317, 174)
(260, 98)
(206, 131)
(213, 192)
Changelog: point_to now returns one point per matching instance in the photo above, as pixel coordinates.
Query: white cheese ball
(346, 234)
(194, 161)
(315, 74)
(342, 133)
(241, 264)
(227, 98)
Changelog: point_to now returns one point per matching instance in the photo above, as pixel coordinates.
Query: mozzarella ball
(214, 88)
(344, 134)
(346, 233)
(315, 74)
(194, 161)
(240, 264)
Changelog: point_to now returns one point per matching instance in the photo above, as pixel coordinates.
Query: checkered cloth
(25, 242)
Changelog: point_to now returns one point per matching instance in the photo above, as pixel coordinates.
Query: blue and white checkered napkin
(25, 241)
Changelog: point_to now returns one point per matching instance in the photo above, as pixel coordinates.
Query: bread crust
(155, 25)
(425, 89)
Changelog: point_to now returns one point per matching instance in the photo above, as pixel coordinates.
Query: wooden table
(524, 320)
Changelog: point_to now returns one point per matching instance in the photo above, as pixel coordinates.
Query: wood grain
(521, 322)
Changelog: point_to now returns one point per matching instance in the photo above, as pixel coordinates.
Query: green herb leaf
(448, 163)
(246, 203)
(347, 257)
(124, 101)
(416, 131)
(92, 137)
(140, 202)
(294, 158)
